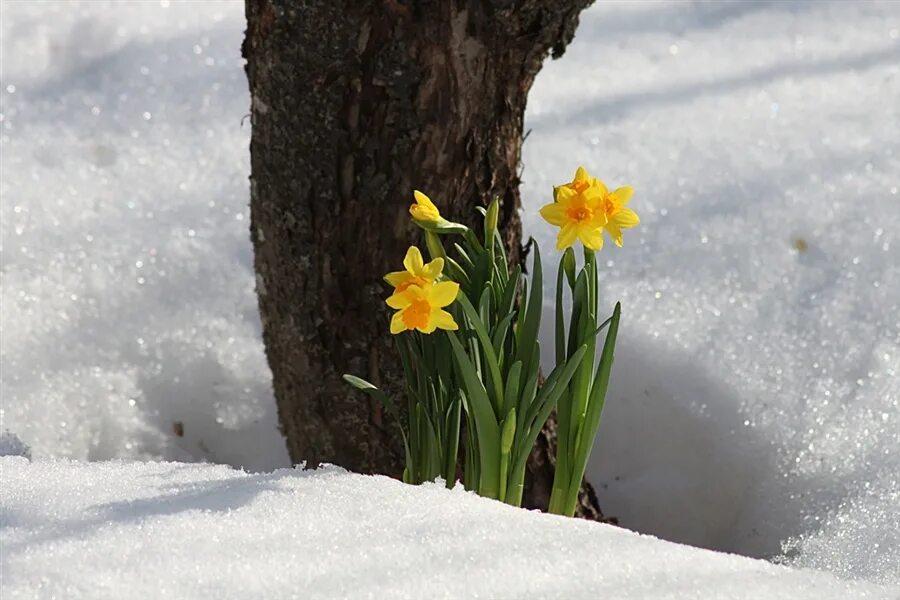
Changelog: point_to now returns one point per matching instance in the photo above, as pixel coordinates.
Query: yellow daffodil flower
(580, 183)
(422, 308)
(618, 216)
(424, 209)
(577, 210)
(584, 207)
(417, 272)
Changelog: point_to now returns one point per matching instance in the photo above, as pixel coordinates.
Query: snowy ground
(756, 396)
(136, 530)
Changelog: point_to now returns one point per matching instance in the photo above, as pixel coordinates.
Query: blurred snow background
(128, 308)
(756, 397)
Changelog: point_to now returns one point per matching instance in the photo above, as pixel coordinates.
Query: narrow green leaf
(560, 317)
(487, 430)
(487, 351)
(506, 441)
(557, 383)
(499, 337)
(579, 306)
(452, 442)
(456, 272)
(472, 240)
(484, 307)
(601, 385)
(534, 425)
(511, 391)
(509, 432)
(507, 304)
(532, 321)
(465, 259)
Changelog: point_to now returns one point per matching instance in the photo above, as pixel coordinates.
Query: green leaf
(511, 391)
(501, 258)
(506, 442)
(487, 351)
(484, 307)
(554, 386)
(579, 307)
(600, 386)
(534, 425)
(560, 318)
(451, 446)
(526, 336)
(488, 432)
(472, 240)
(465, 259)
(507, 303)
(499, 337)
(529, 386)
(509, 432)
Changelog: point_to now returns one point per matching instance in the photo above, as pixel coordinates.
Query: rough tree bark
(354, 104)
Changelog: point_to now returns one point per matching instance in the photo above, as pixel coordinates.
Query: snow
(128, 309)
(755, 401)
(136, 530)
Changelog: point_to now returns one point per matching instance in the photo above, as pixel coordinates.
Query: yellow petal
(413, 260)
(600, 187)
(564, 194)
(625, 218)
(429, 327)
(424, 200)
(581, 174)
(397, 278)
(424, 209)
(443, 293)
(401, 300)
(566, 236)
(598, 217)
(622, 195)
(615, 233)
(432, 270)
(591, 237)
(554, 214)
(443, 320)
(397, 324)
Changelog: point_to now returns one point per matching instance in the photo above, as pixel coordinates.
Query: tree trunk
(354, 104)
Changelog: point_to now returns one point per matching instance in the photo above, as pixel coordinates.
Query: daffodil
(584, 207)
(618, 215)
(422, 307)
(417, 272)
(577, 210)
(582, 181)
(424, 209)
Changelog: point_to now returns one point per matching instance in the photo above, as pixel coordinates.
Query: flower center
(580, 186)
(609, 207)
(580, 213)
(416, 314)
(413, 281)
